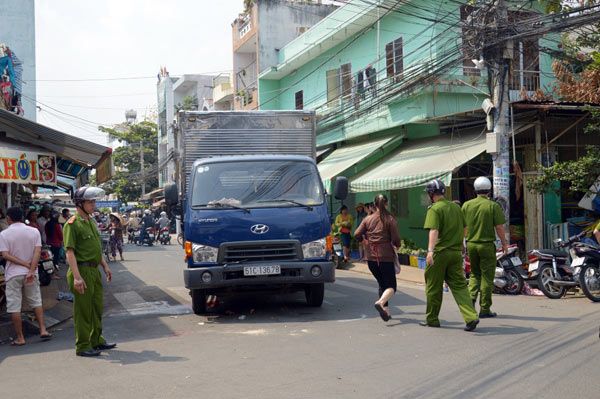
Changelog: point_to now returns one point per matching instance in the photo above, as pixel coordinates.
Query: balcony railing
(523, 80)
(245, 29)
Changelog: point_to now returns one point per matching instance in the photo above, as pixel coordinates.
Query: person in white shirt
(21, 246)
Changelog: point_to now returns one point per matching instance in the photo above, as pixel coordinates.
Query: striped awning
(420, 161)
(346, 157)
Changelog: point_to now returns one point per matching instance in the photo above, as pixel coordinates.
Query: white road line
(129, 299)
(135, 305)
(350, 284)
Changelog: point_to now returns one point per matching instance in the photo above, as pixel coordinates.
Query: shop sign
(25, 167)
(108, 204)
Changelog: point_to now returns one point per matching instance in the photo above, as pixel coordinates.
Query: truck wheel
(314, 294)
(198, 301)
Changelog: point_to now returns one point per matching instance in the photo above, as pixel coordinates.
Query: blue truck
(254, 209)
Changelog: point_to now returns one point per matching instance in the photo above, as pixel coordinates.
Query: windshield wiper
(218, 204)
(308, 207)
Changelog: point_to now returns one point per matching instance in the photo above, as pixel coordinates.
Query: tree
(577, 71)
(126, 182)
(189, 103)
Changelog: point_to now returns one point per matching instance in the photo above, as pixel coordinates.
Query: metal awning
(69, 149)
(346, 157)
(418, 162)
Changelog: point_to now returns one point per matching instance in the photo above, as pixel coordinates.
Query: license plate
(48, 265)
(516, 261)
(261, 270)
(337, 247)
(533, 266)
(577, 261)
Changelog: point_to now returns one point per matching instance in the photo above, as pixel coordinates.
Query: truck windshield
(256, 184)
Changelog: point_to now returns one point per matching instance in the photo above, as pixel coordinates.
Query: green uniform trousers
(483, 271)
(447, 266)
(87, 309)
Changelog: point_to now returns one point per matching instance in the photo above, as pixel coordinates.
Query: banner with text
(24, 167)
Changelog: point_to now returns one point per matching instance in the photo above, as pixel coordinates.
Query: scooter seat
(553, 252)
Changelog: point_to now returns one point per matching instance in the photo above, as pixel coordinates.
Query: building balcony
(244, 32)
(223, 92)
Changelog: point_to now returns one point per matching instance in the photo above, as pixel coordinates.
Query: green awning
(345, 157)
(418, 162)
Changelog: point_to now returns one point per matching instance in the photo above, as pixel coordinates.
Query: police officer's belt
(87, 264)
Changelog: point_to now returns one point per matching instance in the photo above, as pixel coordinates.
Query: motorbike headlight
(315, 249)
(204, 253)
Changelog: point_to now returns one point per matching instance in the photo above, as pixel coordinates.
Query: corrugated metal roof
(64, 145)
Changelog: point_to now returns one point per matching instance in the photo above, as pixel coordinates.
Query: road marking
(350, 284)
(135, 305)
(362, 317)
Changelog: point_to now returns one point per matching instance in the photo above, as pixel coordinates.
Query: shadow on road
(125, 358)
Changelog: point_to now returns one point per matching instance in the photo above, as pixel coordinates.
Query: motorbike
(164, 236)
(337, 254)
(551, 271)
(587, 256)
(105, 239)
(147, 238)
(45, 266)
(131, 235)
(510, 276)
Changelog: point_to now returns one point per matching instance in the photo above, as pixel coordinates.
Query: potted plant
(421, 259)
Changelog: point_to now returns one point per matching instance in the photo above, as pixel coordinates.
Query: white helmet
(147, 212)
(482, 185)
(163, 214)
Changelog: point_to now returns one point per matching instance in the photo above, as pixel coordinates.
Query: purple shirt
(20, 241)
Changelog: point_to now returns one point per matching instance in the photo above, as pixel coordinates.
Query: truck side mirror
(340, 188)
(171, 194)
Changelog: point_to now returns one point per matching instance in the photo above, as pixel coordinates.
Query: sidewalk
(407, 274)
(55, 311)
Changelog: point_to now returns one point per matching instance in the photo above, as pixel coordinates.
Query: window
(394, 59)
(299, 99)
(339, 84)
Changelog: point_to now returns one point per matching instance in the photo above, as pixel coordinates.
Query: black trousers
(385, 274)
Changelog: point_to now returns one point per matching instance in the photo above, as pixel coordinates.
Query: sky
(108, 39)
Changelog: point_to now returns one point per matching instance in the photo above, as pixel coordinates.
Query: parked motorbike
(510, 276)
(105, 239)
(164, 236)
(587, 256)
(338, 252)
(551, 271)
(45, 266)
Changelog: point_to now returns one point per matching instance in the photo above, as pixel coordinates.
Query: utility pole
(142, 172)
(501, 66)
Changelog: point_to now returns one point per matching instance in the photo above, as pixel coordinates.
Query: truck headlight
(204, 253)
(315, 249)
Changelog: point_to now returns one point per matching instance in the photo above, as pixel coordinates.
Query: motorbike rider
(484, 218)
(133, 223)
(147, 221)
(163, 221)
(446, 224)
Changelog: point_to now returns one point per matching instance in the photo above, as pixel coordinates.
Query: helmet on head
(147, 212)
(482, 185)
(87, 193)
(163, 213)
(435, 187)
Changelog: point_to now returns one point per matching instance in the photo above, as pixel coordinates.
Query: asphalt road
(276, 347)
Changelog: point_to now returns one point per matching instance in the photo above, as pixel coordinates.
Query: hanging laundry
(18, 72)
(6, 64)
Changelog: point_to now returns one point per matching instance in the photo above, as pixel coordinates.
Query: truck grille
(259, 252)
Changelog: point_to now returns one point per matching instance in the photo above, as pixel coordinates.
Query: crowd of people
(23, 234)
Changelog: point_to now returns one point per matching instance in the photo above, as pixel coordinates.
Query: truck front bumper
(224, 276)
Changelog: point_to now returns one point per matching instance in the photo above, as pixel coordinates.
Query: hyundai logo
(259, 228)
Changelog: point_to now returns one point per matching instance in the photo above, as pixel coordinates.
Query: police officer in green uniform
(446, 225)
(484, 219)
(84, 255)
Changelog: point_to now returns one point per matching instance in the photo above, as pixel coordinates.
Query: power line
(119, 78)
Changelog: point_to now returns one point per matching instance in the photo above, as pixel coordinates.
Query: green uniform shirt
(447, 218)
(482, 215)
(83, 237)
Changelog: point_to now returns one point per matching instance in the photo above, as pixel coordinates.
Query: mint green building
(399, 104)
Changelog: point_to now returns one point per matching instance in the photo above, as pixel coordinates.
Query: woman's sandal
(384, 315)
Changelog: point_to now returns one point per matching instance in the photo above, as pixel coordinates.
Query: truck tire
(198, 301)
(314, 294)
